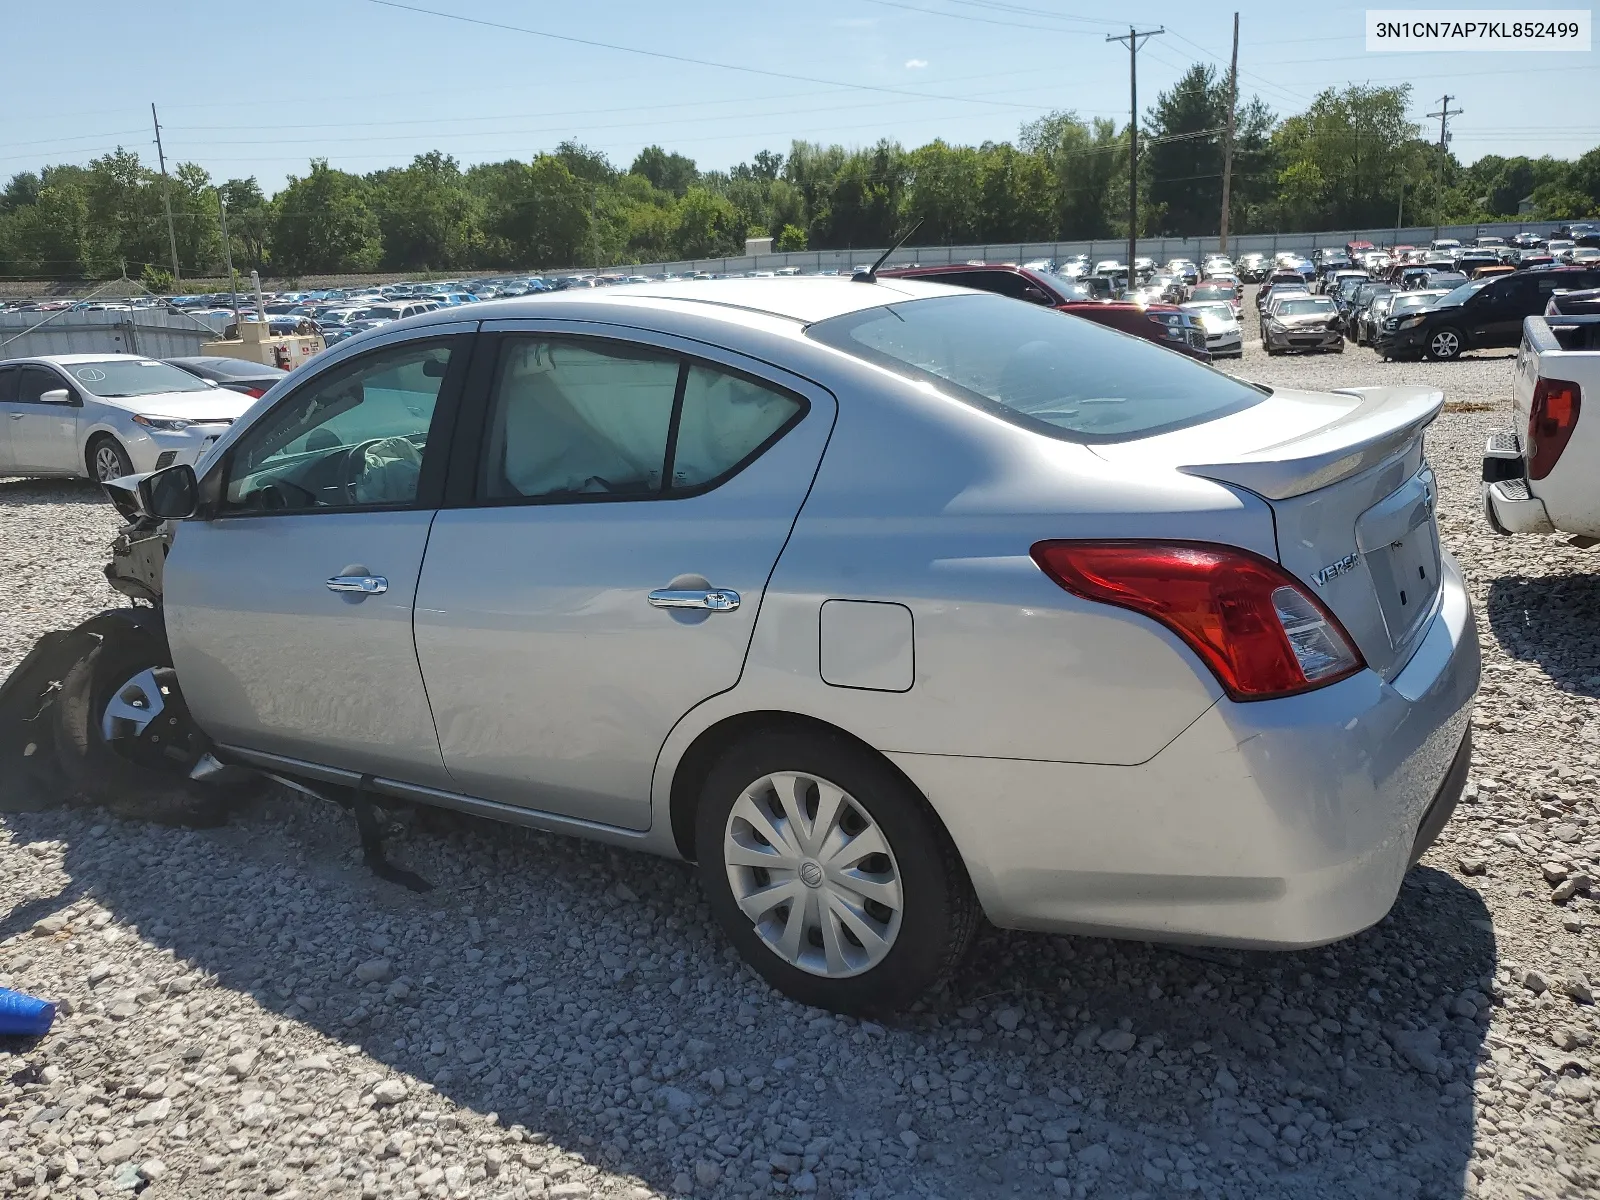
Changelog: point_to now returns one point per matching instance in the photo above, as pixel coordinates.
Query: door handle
(363, 585)
(716, 600)
(15, 416)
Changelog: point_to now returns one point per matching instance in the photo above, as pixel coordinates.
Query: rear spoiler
(1385, 420)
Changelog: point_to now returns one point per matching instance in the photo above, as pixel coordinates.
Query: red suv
(1165, 324)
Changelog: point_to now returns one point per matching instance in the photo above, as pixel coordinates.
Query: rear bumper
(1509, 507)
(1278, 824)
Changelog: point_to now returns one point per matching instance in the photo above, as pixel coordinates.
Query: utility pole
(594, 228)
(1227, 146)
(1444, 114)
(1135, 38)
(166, 193)
(227, 256)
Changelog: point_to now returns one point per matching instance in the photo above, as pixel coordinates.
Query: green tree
(670, 172)
(943, 192)
(539, 213)
(1342, 160)
(249, 222)
(1082, 162)
(324, 223)
(790, 238)
(707, 226)
(425, 214)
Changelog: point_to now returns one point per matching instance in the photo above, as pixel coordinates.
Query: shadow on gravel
(1346, 1070)
(1545, 620)
(17, 493)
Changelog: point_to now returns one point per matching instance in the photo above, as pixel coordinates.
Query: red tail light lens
(1260, 632)
(1550, 423)
(255, 393)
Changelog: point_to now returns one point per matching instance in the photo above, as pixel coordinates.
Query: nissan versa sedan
(889, 604)
(106, 415)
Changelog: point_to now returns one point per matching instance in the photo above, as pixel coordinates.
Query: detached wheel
(124, 737)
(107, 459)
(1444, 345)
(829, 875)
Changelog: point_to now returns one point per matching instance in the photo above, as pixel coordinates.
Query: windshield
(1056, 375)
(118, 377)
(1301, 308)
(1463, 293)
(1214, 312)
(1213, 293)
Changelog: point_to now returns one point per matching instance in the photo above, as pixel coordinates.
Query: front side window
(1054, 374)
(573, 420)
(353, 436)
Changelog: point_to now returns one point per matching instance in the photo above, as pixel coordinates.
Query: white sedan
(107, 415)
(1224, 335)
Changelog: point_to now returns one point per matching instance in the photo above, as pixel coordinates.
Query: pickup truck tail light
(1552, 419)
(1251, 622)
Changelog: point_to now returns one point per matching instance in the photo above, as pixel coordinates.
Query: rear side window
(1049, 372)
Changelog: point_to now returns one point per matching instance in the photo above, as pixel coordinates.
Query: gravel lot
(247, 1011)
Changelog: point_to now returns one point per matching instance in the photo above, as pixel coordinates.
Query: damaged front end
(139, 551)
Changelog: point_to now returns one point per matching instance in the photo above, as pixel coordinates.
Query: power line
(680, 58)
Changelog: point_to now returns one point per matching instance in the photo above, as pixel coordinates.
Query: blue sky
(367, 85)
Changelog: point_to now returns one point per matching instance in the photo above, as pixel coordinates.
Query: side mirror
(1035, 295)
(55, 396)
(172, 494)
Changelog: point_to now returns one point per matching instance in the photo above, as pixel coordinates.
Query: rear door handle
(15, 416)
(364, 585)
(715, 600)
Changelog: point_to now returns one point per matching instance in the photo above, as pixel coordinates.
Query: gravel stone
(561, 1020)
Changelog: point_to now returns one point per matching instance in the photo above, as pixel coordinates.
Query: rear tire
(127, 665)
(106, 459)
(864, 952)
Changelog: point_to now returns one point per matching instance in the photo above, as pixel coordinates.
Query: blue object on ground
(23, 1015)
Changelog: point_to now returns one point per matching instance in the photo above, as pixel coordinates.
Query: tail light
(1261, 633)
(1553, 417)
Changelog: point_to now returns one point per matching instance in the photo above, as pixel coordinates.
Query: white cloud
(916, 64)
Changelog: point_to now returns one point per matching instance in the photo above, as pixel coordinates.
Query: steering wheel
(355, 466)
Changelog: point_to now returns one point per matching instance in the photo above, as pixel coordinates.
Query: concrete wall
(1160, 249)
(149, 331)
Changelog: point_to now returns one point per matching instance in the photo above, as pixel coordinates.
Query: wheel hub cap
(814, 874)
(132, 707)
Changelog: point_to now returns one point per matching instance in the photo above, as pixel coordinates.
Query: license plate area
(1400, 540)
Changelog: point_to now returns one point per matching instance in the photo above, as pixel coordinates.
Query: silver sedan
(106, 415)
(888, 604)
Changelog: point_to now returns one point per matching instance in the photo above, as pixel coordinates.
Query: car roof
(67, 360)
(802, 299)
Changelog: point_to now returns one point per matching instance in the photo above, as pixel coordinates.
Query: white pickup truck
(1543, 475)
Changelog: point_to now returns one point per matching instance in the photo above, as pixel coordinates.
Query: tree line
(1351, 160)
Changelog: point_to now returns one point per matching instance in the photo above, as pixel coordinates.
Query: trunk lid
(1352, 498)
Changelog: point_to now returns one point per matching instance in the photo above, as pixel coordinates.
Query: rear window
(1054, 374)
